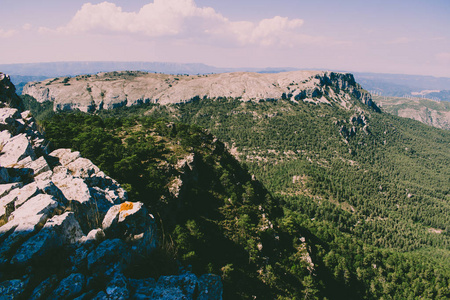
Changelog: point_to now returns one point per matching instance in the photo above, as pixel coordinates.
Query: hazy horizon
(220, 69)
(405, 37)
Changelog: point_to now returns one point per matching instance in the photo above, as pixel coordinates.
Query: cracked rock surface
(67, 230)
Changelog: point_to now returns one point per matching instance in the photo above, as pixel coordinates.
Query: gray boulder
(8, 97)
(59, 230)
(143, 288)
(8, 187)
(110, 254)
(94, 235)
(47, 186)
(184, 286)
(16, 198)
(132, 221)
(65, 156)
(188, 286)
(38, 166)
(44, 288)
(24, 222)
(117, 288)
(12, 289)
(8, 120)
(69, 287)
(16, 149)
(73, 188)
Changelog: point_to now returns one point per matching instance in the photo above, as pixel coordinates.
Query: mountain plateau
(116, 89)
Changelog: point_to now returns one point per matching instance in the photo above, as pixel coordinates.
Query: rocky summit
(115, 89)
(8, 95)
(67, 230)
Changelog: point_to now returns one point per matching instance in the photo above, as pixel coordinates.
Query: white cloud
(6, 33)
(45, 30)
(27, 26)
(278, 29)
(182, 19)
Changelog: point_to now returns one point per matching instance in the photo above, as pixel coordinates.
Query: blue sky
(409, 37)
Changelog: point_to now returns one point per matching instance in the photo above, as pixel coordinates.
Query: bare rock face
(433, 113)
(62, 218)
(69, 287)
(131, 220)
(116, 89)
(187, 286)
(12, 289)
(8, 97)
(57, 231)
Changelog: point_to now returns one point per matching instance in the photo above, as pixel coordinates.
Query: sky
(381, 36)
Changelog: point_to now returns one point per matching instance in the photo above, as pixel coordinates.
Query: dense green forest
(349, 204)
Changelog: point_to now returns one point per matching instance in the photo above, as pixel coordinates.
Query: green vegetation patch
(345, 205)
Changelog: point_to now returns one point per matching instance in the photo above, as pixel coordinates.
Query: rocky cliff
(8, 97)
(67, 230)
(115, 89)
(427, 111)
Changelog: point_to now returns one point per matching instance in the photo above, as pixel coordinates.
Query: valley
(209, 150)
(358, 198)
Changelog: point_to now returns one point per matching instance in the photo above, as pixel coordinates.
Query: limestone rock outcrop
(8, 95)
(67, 230)
(433, 113)
(116, 89)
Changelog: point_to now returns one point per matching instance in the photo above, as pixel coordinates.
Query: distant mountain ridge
(348, 179)
(433, 113)
(385, 84)
(400, 85)
(116, 89)
(55, 69)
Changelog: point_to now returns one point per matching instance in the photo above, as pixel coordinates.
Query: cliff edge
(8, 97)
(67, 230)
(115, 89)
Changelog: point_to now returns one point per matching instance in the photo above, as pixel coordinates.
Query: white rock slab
(66, 156)
(15, 149)
(57, 231)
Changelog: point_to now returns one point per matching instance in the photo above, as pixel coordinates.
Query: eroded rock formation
(115, 89)
(8, 97)
(67, 230)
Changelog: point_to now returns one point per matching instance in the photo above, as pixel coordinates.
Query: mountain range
(431, 112)
(385, 84)
(117, 89)
(317, 191)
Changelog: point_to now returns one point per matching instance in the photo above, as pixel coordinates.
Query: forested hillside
(390, 174)
(346, 203)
